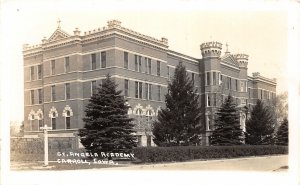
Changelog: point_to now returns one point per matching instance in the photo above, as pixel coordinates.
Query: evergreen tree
(282, 135)
(260, 126)
(107, 125)
(227, 129)
(178, 123)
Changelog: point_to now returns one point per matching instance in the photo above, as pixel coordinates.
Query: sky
(259, 30)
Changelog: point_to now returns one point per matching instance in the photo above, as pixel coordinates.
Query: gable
(229, 59)
(58, 35)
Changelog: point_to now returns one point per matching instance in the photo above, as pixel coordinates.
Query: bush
(184, 153)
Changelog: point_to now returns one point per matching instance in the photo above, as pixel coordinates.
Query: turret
(211, 49)
(76, 32)
(242, 59)
(113, 23)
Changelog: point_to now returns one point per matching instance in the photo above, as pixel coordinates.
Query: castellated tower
(242, 91)
(242, 60)
(211, 90)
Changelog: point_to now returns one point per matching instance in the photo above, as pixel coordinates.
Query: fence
(32, 149)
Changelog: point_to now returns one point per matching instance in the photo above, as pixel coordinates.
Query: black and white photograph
(149, 92)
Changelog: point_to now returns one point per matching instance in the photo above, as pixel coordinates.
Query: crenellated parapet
(113, 23)
(211, 49)
(113, 28)
(116, 25)
(242, 60)
(258, 77)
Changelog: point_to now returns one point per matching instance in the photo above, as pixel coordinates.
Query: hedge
(32, 149)
(185, 153)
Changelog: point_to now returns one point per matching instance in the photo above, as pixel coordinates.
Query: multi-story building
(62, 73)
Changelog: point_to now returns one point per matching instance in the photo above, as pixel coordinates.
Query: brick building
(62, 72)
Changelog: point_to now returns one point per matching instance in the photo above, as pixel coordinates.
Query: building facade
(62, 73)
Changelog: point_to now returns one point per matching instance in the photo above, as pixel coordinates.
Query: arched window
(41, 121)
(31, 122)
(138, 112)
(53, 121)
(149, 115)
(208, 123)
(68, 120)
(139, 116)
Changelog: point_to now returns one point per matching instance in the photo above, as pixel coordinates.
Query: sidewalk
(264, 163)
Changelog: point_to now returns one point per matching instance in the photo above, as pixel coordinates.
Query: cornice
(114, 28)
(180, 55)
(262, 79)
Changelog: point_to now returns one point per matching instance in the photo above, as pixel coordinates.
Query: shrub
(184, 153)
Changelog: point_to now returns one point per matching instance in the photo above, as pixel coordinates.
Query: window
(215, 99)
(103, 59)
(140, 64)
(149, 66)
(32, 73)
(148, 140)
(208, 100)
(242, 86)
(40, 121)
(244, 101)
(68, 120)
(146, 65)
(237, 101)
(126, 60)
(93, 62)
(52, 67)
(168, 71)
(136, 62)
(67, 89)
(158, 93)
(138, 89)
(261, 94)
(32, 97)
(67, 64)
(146, 91)
(236, 85)
(40, 96)
(31, 121)
(208, 123)
(214, 78)
(207, 78)
(158, 68)
(227, 82)
(150, 91)
(149, 115)
(53, 95)
(39, 72)
(249, 91)
(126, 87)
(93, 88)
(230, 83)
(53, 122)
